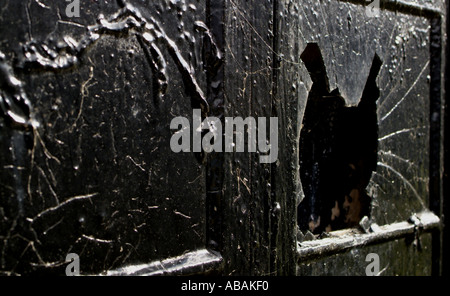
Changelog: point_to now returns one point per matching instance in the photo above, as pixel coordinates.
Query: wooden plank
(290, 95)
(247, 89)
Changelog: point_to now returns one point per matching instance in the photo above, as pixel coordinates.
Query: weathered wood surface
(86, 105)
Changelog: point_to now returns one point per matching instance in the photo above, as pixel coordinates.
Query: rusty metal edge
(343, 241)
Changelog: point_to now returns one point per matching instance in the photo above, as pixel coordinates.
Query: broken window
(338, 151)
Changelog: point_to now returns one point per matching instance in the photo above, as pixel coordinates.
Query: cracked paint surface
(95, 175)
(86, 103)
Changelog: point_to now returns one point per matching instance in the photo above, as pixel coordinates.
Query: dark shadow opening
(338, 151)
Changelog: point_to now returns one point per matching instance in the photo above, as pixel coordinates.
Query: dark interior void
(338, 151)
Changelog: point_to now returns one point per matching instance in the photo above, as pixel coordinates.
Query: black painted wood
(85, 109)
